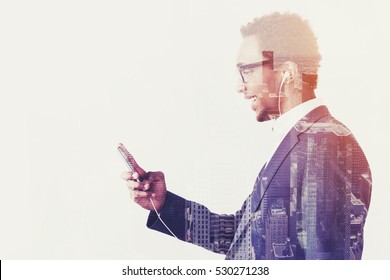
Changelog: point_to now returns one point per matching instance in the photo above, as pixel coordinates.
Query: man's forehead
(250, 50)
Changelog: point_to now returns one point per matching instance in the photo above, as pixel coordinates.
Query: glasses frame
(243, 67)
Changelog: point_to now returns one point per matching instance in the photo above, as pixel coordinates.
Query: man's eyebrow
(240, 64)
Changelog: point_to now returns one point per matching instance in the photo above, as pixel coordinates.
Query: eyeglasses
(246, 70)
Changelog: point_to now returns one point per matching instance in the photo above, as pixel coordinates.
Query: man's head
(272, 46)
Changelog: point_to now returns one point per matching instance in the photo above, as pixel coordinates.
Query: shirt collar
(285, 122)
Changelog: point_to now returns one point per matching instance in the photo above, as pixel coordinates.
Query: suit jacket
(310, 201)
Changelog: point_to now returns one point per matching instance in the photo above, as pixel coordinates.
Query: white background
(77, 77)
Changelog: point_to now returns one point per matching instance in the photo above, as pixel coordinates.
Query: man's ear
(288, 71)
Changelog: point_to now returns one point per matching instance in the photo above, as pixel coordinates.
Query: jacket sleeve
(195, 223)
(172, 214)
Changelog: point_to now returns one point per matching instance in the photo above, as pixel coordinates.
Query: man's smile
(253, 99)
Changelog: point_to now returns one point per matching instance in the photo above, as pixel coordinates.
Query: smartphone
(127, 157)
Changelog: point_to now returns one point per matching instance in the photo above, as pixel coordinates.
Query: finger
(134, 185)
(140, 194)
(129, 175)
(146, 186)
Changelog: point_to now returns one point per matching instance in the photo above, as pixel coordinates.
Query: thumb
(137, 168)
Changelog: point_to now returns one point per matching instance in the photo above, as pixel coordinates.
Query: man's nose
(240, 87)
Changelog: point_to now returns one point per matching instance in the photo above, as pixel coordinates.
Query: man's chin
(262, 116)
(266, 115)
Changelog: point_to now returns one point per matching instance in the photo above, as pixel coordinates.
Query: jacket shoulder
(327, 124)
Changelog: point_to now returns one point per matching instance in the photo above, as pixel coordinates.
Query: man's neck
(293, 100)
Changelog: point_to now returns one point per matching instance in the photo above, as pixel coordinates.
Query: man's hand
(151, 187)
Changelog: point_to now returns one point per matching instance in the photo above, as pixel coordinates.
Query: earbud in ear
(289, 70)
(286, 75)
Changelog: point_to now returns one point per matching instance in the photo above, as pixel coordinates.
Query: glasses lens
(245, 70)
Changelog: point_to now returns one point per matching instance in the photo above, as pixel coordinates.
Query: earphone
(286, 75)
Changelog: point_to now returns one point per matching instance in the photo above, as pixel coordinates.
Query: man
(311, 197)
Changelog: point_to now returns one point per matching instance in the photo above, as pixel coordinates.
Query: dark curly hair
(289, 37)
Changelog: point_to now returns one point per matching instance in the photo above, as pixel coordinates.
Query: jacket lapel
(282, 152)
